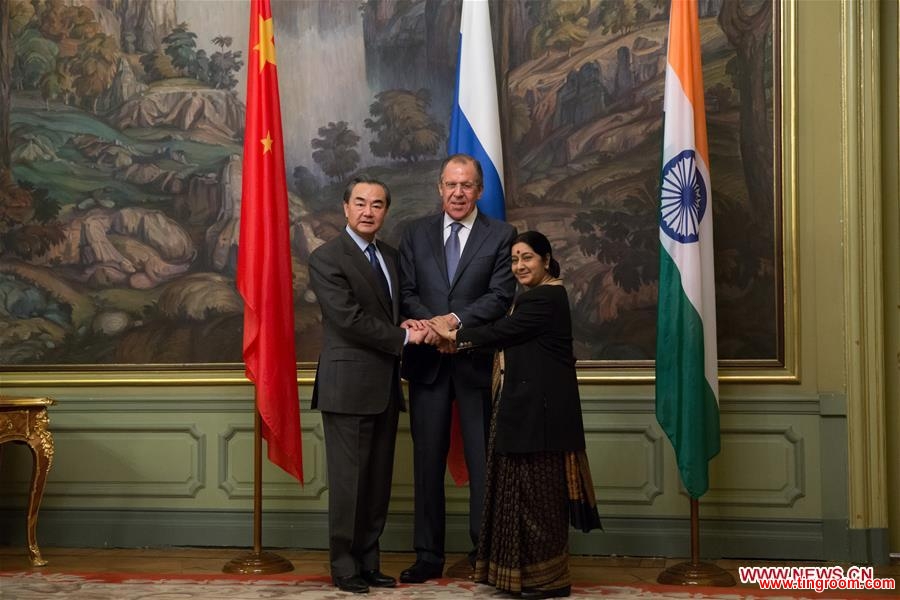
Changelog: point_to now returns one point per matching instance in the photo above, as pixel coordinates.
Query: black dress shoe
(554, 593)
(376, 578)
(352, 583)
(421, 571)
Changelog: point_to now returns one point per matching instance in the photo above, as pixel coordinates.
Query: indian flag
(687, 389)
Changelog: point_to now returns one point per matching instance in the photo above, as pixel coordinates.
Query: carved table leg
(41, 443)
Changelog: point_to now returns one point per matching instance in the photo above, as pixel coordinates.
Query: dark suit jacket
(361, 340)
(481, 291)
(540, 408)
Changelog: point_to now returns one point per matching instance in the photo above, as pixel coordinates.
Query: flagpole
(257, 562)
(264, 281)
(510, 181)
(696, 572)
(687, 384)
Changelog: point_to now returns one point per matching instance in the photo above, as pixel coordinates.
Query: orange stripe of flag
(684, 59)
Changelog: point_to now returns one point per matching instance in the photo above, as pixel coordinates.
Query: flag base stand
(700, 573)
(695, 572)
(258, 563)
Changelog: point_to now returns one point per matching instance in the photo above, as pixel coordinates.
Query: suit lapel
(390, 259)
(435, 236)
(359, 261)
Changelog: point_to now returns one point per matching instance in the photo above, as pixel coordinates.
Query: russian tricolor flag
(475, 121)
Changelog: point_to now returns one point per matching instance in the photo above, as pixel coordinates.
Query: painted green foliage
(119, 211)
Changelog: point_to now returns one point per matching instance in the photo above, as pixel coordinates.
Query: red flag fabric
(264, 277)
(456, 458)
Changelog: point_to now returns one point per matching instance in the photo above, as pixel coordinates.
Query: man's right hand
(414, 324)
(417, 336)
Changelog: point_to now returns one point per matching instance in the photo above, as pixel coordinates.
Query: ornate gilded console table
(26, 420)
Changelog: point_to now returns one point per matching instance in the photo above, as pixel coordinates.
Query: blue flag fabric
(475, 119)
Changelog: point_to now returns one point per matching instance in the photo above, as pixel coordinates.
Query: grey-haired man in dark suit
(454, 265)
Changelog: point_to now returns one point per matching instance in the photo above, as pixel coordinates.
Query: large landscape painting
(121, 126)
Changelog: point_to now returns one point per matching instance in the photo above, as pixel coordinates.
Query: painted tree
(335, 150)
(21, 13)
(625, 236)
(402, 126)
(623, 16)
(4, 91)
(94, 68)
(54, 21)
(181, 47)
(222, 41)
(20, 206)
(749, 32)
(58, 84)
(84, 25)
(305, 182)
(224, 64)
(561, 26)
(157, 65)
(35, 57)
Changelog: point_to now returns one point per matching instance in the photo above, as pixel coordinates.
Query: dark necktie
(451, 250)
(379, 272)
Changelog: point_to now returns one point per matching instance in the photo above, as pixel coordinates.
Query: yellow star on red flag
(266, 45)
(267, 142)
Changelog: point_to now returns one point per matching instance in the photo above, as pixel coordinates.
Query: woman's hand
(439, 326)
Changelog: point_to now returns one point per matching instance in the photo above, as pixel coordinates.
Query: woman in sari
(538, 481)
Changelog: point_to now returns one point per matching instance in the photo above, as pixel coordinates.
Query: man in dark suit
(357, 384)
(456, 266)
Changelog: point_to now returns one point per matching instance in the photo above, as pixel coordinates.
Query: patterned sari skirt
(530, 501)
(524, 539)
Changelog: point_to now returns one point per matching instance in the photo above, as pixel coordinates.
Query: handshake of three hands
(439, 332)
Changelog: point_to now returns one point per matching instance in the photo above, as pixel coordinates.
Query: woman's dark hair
(540, 244)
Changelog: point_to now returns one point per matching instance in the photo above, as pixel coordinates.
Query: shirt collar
(361, 242)
(467, 222)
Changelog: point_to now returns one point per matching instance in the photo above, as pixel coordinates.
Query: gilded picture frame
(564, 99)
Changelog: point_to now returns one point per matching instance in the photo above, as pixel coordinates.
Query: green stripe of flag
(686, 406)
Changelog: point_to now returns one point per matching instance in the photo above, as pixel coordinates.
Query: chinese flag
(264, 277)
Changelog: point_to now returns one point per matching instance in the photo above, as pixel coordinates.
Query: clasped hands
(439, 332)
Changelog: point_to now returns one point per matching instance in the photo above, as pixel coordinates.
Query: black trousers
(359, 452)
(430, 408)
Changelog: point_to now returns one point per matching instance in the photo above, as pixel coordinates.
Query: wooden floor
(603, 570)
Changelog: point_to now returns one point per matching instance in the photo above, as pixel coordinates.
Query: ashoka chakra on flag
(683, 198)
